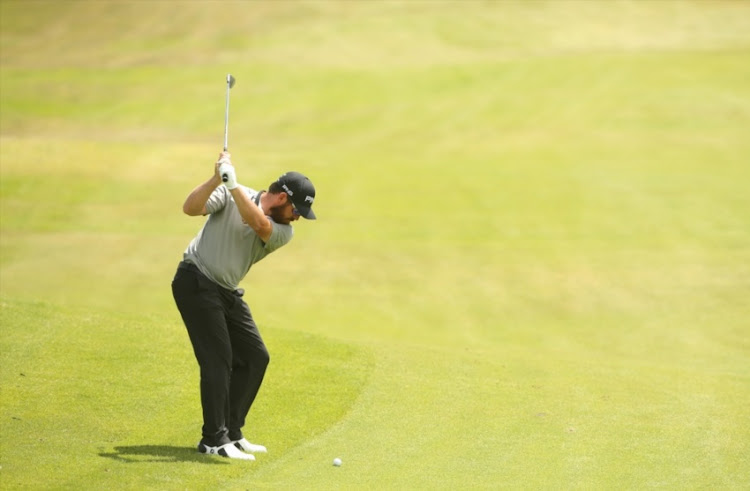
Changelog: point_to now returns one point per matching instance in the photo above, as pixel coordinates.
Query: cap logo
(309, 199)
(288, 191)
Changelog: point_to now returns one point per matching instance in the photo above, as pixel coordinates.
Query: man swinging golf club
(243, 227)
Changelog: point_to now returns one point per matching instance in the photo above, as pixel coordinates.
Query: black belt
(186, 266)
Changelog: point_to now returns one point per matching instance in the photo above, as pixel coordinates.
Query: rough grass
(530, 268)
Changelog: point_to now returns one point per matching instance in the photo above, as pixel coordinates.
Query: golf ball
(337, 462)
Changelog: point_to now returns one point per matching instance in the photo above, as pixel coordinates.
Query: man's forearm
(195, 204)
(252, 214)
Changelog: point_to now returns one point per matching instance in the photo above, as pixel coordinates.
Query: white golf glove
(228, 176)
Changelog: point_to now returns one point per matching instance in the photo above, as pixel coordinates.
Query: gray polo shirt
(226, 247)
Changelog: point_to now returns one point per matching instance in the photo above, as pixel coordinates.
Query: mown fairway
(531, 267)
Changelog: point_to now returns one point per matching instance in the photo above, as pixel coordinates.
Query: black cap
(301, 191)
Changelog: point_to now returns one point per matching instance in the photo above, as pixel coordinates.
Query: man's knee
(257, 358)
(263, 357)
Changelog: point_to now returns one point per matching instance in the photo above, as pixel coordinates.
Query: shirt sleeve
(217, 200)
(280, 235)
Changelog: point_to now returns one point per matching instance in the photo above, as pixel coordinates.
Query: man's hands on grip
(225, 171)
(228, 177)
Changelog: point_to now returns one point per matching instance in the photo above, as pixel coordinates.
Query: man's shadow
(159, 453)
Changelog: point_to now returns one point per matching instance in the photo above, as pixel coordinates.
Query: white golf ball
(337, 462)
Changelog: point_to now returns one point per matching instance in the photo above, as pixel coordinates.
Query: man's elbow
(263, 231)
(190, 210)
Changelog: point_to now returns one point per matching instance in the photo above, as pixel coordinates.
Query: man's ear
(277, 199)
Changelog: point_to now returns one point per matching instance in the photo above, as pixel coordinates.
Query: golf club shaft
(226, 114)
(230, 84)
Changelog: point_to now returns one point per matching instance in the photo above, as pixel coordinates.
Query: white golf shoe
(228, 450)
(249, 447)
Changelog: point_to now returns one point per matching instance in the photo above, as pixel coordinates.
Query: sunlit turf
(530, 268)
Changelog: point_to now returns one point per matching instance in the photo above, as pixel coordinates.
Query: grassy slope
(531, 267)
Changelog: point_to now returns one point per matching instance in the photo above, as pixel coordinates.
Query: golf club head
(230, 80)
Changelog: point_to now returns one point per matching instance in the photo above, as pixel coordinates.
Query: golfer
(243, 227)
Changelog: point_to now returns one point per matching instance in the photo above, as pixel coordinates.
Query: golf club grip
(224, 178)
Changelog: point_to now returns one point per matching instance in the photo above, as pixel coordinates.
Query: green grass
(531, 268)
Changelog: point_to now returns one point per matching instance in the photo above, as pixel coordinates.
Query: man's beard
(277, 215)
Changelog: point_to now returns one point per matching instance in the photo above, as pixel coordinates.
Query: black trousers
(229, 349)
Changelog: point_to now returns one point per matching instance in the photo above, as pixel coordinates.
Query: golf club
(230, 84)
